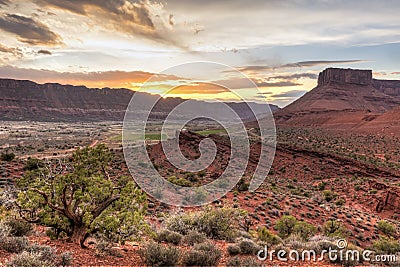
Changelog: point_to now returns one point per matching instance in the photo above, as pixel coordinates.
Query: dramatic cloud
(44, 52)
(29, 30)
(114, 79)
(131, 17)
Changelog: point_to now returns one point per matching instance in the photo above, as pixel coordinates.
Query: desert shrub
(14, 244)
(27, 259)
(386, 227)
(248, 246)
(304, 229)
(7, 156)
(216, 223)
(333, 228)
(268, 237)
(33, 164)
(105, 248)
(386, 246)
(233, 249)
(285, 225)
(47, 254)
(329, 195)
(168, 236)
(154, 254)
(340, 202)
(194, 237)
(19, 227)
(66, 259)
(242, 262)
(205, 254)
(5, 230)
(242, 185)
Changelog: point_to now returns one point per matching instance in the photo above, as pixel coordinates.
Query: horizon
(122, 44)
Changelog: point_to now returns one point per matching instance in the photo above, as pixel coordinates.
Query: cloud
(295, 76)
(44, 52)
(290, 94)
(277, 84)
(396, 73)
(131, 17)
(113, 79)
(10, 50)
(29, 30)
(313, 63)
(319, 62)
(4, 2)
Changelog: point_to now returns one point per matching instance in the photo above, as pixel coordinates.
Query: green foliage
(205, 254)
(7, 156)
(18, 227)
(78, 197)
(268, 237)
(386, 246)
(154, 254)
(329, 195)
(333, 229)
(285, 225)
(386, 227)
(216, 223)
(169, 237)
(304, 230)
(33, 164)
(179, 181)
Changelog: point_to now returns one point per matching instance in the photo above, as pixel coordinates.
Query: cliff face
(343, 97)
(26, 100)
(345, 76)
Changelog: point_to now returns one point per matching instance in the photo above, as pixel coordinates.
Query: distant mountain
(27, 100)
(343, 98)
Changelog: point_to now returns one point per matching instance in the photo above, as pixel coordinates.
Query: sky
(279, 45)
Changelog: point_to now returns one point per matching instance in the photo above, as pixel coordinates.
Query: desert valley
(335, 176)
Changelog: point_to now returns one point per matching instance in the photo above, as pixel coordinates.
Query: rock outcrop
(343, 98)
(345, 76)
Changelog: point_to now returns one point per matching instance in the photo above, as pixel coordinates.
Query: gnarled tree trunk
(79, 235)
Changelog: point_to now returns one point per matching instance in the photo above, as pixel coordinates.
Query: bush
(216, 223)
(66, 259)
(194, 237)
(304, 229)
(333, 229)
(245, 262)
(386, 246)
(169, 237)
(154, 254)
(26, 259)
(105, 248)
(14, 244)
(268, 237)
(7, 156)
(205, 254)
(248, 246)
(233, 249)
(329, 195)
(33, 164)
(386, 227)
(19, 227)
(285, 225)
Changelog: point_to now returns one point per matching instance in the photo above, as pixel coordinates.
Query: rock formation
(345, 76)
(26, 100)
